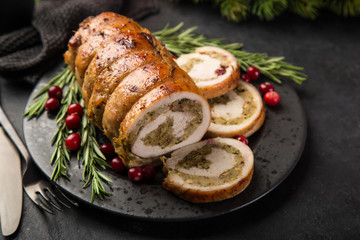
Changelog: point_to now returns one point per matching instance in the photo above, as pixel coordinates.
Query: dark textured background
(321, 197)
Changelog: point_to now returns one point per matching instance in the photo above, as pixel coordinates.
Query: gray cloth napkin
(29, 51)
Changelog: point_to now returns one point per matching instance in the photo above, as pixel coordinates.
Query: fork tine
(41, 205)
(66, 197)
(56, 197)
(48, 200)
(31, 192)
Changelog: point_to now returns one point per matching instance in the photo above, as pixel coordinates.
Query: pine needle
(307, 8)
(240, 10)
(234, 10)
(346, 8)
(268, 9)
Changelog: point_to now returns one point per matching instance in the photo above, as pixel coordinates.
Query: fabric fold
(28, 52)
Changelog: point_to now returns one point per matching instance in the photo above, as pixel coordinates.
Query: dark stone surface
(321, 197)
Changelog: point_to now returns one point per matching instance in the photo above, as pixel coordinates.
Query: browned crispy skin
(112, 50)
(93, 33)
(77, 39)
(88, 50)
(87, 28)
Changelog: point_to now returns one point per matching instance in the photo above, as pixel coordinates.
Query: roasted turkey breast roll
(208, 171)
(238, 112)
(170, 116)
(134, 91)
(214, 70)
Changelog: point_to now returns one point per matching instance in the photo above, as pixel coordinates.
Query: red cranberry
(73, 141)
(173, 57)
(220, 71)
(148, 172)
(253, 73)
(52, 104)
(73, 122)
(245, 78)
(242, 139)
(266, 87)
(75, 108)
(55, 92)
(117, 164)
(272, 98)
(108, 150)
(135, 174)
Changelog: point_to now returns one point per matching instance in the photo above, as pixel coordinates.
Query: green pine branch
(240, 10)
(268, 9)
(306, 8)
(346, 8)
(234, 10)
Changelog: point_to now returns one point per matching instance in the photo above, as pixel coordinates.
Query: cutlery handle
(9, 129)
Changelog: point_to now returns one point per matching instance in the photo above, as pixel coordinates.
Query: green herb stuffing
(197, 158)
(163, 136)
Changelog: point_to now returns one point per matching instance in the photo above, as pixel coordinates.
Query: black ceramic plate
(277, 148)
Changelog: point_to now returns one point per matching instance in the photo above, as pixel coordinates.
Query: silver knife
(11, 193)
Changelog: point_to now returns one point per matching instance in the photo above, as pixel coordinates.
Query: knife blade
(11, 193)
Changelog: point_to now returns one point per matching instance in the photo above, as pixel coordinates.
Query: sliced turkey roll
(109, 79)
(208, 171)
(238, 112)
(130, 90)
(133, 87)
(170, 116)
(214, 70)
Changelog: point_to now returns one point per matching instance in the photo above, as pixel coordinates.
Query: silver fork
(43, 193)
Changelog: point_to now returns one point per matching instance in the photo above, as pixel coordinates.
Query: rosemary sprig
(179, 42)
(89, 150)
(185, 41)
(38, 107)
(61, 156)
(92, 157)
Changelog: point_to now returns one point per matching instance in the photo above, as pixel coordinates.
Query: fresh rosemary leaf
(97, 150)
(84, 138)
(104, 177)
(92, 156)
